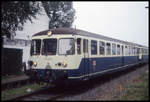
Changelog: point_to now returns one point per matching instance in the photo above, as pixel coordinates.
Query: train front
(51, 56)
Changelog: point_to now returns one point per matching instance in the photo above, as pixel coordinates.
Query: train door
(122, 50)
(86, 58)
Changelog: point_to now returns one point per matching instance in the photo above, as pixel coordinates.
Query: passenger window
(129, 50)
(113, 49)
(147, 51)
(118, 49)
(135, 51)
(132, 51)
(138, 50)
(126, 50)
(85, 46)
(102, 48)
(93, 47)
(79, 45)
(143, 51)
(108, 49)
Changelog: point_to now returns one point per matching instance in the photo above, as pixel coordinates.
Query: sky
(126, 21)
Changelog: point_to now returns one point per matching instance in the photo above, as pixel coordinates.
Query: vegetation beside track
(19, 91)
(138, 89)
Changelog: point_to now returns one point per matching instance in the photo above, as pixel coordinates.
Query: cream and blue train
(71, 54)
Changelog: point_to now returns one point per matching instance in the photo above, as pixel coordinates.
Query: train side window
(122, 50)
(108, 49)
(133, 51)
(129, 50)
(147, 51)
(138, 50)
(93, 47)
(102, 47)
(113, 49)
(118, 49)
(143, 50)
(85, 46)
(126, 50)
(79, 45)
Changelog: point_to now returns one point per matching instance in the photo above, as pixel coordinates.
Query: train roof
(83, 33)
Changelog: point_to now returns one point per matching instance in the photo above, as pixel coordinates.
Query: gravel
(106, 87)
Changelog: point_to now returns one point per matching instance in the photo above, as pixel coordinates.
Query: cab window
(79, 45)
(35, 47)
(66, 46)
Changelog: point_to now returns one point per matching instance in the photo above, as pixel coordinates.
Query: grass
(18, 91)
(138, 90)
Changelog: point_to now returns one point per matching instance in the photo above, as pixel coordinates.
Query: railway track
(54, 93)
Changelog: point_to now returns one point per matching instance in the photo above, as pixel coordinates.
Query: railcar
(65, 54)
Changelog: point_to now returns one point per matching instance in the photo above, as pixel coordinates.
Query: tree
(61, 14)
(15, 14)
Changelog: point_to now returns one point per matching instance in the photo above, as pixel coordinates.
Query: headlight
(64, 64)
(35, 64)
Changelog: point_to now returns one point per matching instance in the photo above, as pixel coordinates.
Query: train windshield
(35, 47)
(66, 46)
(49, 46)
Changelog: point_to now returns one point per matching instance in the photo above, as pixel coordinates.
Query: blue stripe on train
(102, 64)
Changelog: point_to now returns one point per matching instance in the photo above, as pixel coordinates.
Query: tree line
(16, 13)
